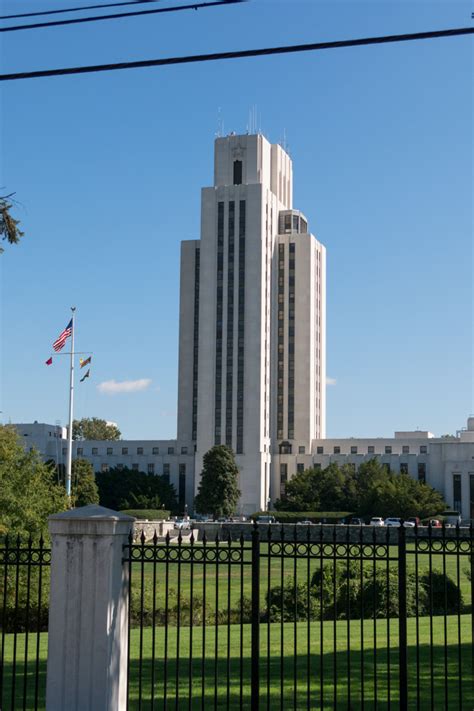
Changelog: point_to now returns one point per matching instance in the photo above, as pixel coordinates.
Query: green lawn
(277, 681)
(271, 574)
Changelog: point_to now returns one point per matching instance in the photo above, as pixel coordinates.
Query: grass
(285, 654)
(270, 575)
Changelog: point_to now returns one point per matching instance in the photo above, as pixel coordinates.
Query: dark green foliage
(218, 493)
(150, 514)
(95, 429)
(371, 491)
(83, 485)
(365, 595)
(28, 490)
(9, 229)
(438, 592)
(126, 489)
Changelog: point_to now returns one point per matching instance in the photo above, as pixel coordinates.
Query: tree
(84, 488)
(28, 491)
(218, 491)
(372, 491)
(330, 489)
(9, 229)
(126, 489)
(94, 428)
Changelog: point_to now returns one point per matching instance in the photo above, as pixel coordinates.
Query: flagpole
(71, 405)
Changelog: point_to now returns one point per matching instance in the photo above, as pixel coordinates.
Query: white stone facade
(252, 317)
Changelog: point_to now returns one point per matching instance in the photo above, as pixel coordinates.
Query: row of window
(124, 450)
(230, 323)
(371, 449)
(241, 327)
(219, 312)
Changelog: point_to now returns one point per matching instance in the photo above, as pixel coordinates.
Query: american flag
(61, 339)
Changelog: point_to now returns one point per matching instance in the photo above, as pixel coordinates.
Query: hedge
(314, 516)
(150, 514)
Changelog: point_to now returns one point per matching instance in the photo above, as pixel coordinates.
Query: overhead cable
(166, 61)
(38, 13)
(118, 15)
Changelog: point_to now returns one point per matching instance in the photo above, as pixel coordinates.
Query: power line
(74, 9)
(115, 16)
(336, 44)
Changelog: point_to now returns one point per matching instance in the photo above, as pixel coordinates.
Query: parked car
(182, 524)
(266, 519)
(434, 523)
(306, 523)
(393, 521)
(356, 522)
(414, 520)
(376, 521)
(409, 524)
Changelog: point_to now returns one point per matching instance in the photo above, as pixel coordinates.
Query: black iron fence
(303, 617)
(24, 593)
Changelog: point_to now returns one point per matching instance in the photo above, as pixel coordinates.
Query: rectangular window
(319, 450)
(422, 472)
(151, 468)
(405, 449)
(283, 472)
(155, 450)
(241, 330)
(139, 450)
(104, 468)
(300, 468)
(184, 450)
(457, 498)
(95, 451)
(388, 449)
(403, 468)
(120, 467)
(353, 450)
(166, 472)
(195, 344)
(135, 467)
(109, 451)
(471, 495)
(182, 487)
(124, 450)
(371, 449)
(301, 449)
(423, 449)
(237, 172)
(80, 451)
(170, 450)
(337, 450)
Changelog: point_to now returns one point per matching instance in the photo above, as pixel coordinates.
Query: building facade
(446, 463)
(252, 366)
(252, 353)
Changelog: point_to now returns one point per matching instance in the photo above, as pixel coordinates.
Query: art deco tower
(252, 319)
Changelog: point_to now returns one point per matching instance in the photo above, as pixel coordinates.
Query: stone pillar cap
(93, 511)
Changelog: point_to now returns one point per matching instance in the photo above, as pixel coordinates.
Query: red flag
(49, 361)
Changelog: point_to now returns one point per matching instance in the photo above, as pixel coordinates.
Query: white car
(182, 524)
(394, 522)
(376, 521)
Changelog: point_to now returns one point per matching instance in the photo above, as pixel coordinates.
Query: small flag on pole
(61, 339)
(49, 361)
(86, 375)
(82, 363)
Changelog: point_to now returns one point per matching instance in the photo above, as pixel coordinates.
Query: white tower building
(252, 320)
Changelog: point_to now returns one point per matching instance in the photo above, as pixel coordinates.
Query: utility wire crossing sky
(335, 44)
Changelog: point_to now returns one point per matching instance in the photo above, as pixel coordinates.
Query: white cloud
(331, 381)
(112, 387)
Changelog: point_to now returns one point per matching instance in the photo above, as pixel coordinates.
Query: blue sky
(108, 169)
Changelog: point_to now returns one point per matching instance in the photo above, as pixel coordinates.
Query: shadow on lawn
(277, 687)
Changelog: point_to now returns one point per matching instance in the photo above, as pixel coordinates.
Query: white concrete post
(88, 612)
